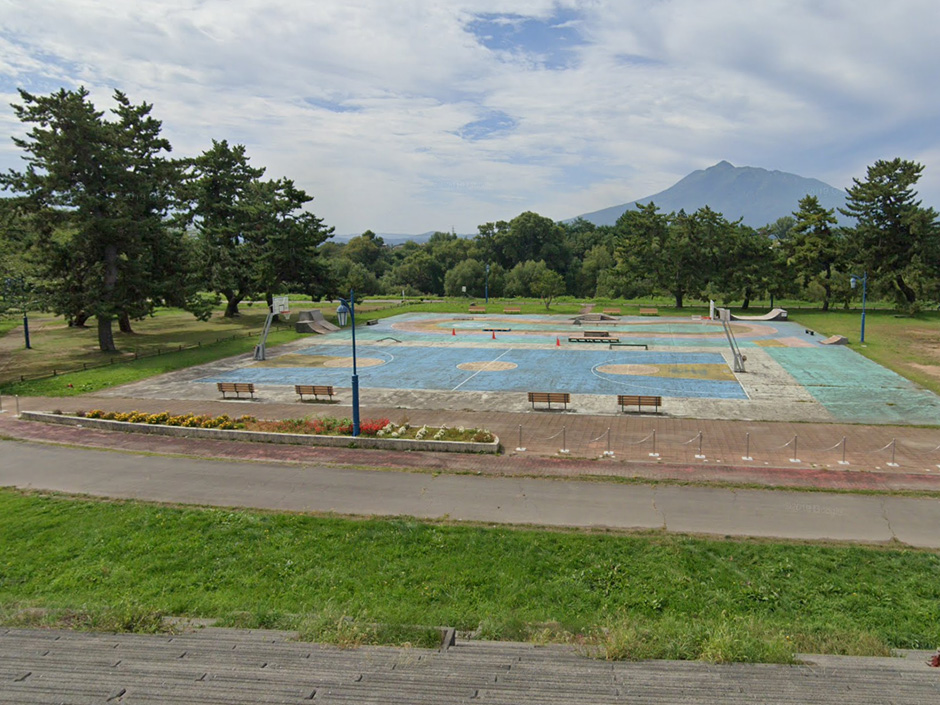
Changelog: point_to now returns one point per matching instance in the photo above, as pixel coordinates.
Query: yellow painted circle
(494, 366)
(645, 370)
(348, 362)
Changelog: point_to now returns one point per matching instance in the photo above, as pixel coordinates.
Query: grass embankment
(123, 565)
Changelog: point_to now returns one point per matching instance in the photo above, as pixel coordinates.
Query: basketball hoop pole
(281, 304)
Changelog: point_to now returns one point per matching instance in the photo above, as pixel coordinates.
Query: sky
(408, 116)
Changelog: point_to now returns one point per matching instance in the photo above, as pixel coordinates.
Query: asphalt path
(543, 502)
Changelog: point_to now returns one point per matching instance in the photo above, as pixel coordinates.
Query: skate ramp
(778, 314)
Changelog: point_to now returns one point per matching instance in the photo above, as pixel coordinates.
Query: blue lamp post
(854, 281)
(347, 311)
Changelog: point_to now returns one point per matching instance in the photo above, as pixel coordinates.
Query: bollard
(520, 448)
(893, 464)
(610, 453)
(843, 461)
(564, 444)
(794, 458)
(747, 445)
(654, 454)
(700, 455)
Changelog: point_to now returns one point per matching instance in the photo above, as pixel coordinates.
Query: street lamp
(854, 280)
(347, 312)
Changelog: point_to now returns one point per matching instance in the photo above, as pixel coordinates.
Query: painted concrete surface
(425, 361)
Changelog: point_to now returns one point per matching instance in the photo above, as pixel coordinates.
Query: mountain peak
(757, 196)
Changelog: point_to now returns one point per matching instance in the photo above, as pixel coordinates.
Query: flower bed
(316, 426)
(375, 433)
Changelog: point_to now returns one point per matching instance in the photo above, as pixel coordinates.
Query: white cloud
(365, 103)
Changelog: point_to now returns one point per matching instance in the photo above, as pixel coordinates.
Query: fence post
(610, 453)
(894, 442)
(843, 461)
(564, 444)
(520, 448)
(747, 445)
(794, 458)
(700, 455)
(17, 405)
(654, 454)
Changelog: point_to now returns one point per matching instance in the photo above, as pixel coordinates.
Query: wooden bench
(596, 334)
(317, 390)
(593, 339)
(512, 310)
(639, 401)
(612, 311)
(618, 344)
(476, 309)
(549, 398)
(649, 311)
(236, 388)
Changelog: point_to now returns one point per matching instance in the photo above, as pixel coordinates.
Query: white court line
(479, 371)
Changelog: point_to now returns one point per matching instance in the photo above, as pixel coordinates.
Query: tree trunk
(909, 296)
(746, 304)
(105, 334)
(79, 321)
(232, 301)
(124, 322)
(679, 296)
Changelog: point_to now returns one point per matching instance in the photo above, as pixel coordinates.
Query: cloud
(414, 115)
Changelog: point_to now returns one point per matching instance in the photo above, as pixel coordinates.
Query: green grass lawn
(126, 564)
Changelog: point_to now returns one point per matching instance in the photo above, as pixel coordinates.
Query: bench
(628, 345)
(512, 310)
(612, 311)
(236, 388)
(549, 398)
(476, 309)
(317, 390)
(373, 322)
(593, 339)
(639, 401)
(596, 334)
(649, 311)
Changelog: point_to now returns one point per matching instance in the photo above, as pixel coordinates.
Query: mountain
(758, 196)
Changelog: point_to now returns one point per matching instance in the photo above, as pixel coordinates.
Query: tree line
(890, 237)
(102, 222)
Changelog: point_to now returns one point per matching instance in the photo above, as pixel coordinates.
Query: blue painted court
(506, 369)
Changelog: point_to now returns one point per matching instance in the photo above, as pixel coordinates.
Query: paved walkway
(507, 500)
(773, 448)
(234, 667)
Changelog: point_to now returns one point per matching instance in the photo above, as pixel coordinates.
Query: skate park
(487, 362)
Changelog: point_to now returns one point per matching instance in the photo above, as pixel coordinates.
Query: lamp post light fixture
(347, 312)
(854, 280)
(486, 286)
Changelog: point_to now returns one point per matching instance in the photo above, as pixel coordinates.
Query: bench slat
(639, 400)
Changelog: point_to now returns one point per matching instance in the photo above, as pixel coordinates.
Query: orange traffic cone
(557, 342)
(494, 335)
(453, 331)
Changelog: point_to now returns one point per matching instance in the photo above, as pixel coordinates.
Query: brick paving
(773, 446)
